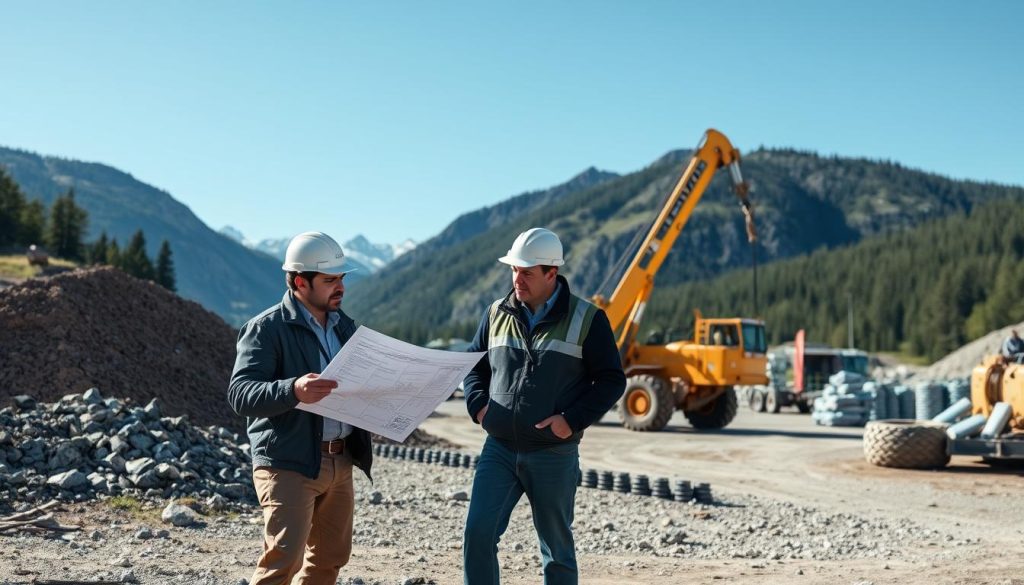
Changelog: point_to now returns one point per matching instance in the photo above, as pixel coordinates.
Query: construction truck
(798, 373)
(695, 375)
(993, 429)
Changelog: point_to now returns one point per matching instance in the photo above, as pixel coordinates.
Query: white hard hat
(314, 252)
(535, 247)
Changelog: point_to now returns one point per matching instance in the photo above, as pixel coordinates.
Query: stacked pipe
(907, 402)
(882, 401)
(843, 402)
(931, 400)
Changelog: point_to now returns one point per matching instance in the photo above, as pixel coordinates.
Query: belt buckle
(341, 446)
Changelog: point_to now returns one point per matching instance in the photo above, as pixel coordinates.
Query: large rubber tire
(755, 399)
(715, 415)
(803, 406)
(647, 404)
(772, 401)
(909, 444)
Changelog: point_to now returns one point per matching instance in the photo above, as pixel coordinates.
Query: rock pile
(85, 446)
(960, 362)
(101, 327)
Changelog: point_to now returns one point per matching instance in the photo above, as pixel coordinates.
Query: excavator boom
(626, 305)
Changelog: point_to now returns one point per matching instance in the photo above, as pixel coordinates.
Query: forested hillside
(927, 290)
(223, 275)
(804, 202)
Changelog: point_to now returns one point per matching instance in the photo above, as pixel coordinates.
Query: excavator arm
(626, 305)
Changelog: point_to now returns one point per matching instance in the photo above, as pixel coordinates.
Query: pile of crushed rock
(86, 446)
(101, 327)
(960, 362)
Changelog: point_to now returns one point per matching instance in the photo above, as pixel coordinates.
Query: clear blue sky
(391, 118)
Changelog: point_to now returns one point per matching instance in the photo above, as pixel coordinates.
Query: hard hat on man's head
(314, 252)
(534, 247)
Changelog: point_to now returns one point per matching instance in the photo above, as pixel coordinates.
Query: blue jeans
(548, 478)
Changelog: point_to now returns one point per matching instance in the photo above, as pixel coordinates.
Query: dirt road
(785, 456)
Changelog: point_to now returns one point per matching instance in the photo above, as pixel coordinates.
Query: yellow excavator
(694, 375)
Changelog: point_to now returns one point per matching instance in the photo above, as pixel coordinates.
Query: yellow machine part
(704, 365)
(994, 381)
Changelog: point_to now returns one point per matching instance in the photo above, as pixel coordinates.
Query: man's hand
(480, 415)
(558, 425)
(310, 388)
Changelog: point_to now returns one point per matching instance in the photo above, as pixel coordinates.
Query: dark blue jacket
(569, 365)
(274, 348)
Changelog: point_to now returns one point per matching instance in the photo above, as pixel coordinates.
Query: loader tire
(715, 415)
(647, 404)
(909, 444)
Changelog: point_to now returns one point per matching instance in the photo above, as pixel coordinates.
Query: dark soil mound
(131, 338)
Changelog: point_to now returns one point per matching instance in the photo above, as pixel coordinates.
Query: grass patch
(17, 266)
(125, 504)
(134, 508)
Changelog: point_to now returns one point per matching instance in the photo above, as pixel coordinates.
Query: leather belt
(333, 447)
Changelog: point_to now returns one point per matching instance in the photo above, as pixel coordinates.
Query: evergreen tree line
(926, 291)
(25, 223)
(61, 231)
(133, 259)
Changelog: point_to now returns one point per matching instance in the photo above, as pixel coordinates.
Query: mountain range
(360, 253)
(804, 202)
(224, 276)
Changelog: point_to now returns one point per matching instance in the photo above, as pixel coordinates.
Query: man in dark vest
(551, 370)
(302, 462)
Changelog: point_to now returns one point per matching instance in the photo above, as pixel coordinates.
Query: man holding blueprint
(302, 462)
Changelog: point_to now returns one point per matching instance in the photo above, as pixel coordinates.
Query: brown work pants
(307, 523)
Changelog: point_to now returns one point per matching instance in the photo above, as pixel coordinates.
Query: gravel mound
(100, 327)
(86, 446)
(959, 363)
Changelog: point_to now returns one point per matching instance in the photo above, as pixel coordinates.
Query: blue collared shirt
(531, 319)
(330, 345)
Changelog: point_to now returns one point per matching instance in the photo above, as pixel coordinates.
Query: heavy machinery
(995, 381)
(994, 432)
(694, 375)
(798, 373)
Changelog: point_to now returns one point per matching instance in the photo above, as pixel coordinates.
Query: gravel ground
(409, 526)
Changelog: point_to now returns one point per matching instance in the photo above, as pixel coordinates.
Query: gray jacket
(274, 348)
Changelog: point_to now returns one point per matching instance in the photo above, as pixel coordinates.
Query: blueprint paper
(387, 386)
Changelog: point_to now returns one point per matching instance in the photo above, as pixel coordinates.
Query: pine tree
(33, 223)
(98, 251)
(165, 267)
(66, 228)
(134, 260)
(11, 203)
(113, 254)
